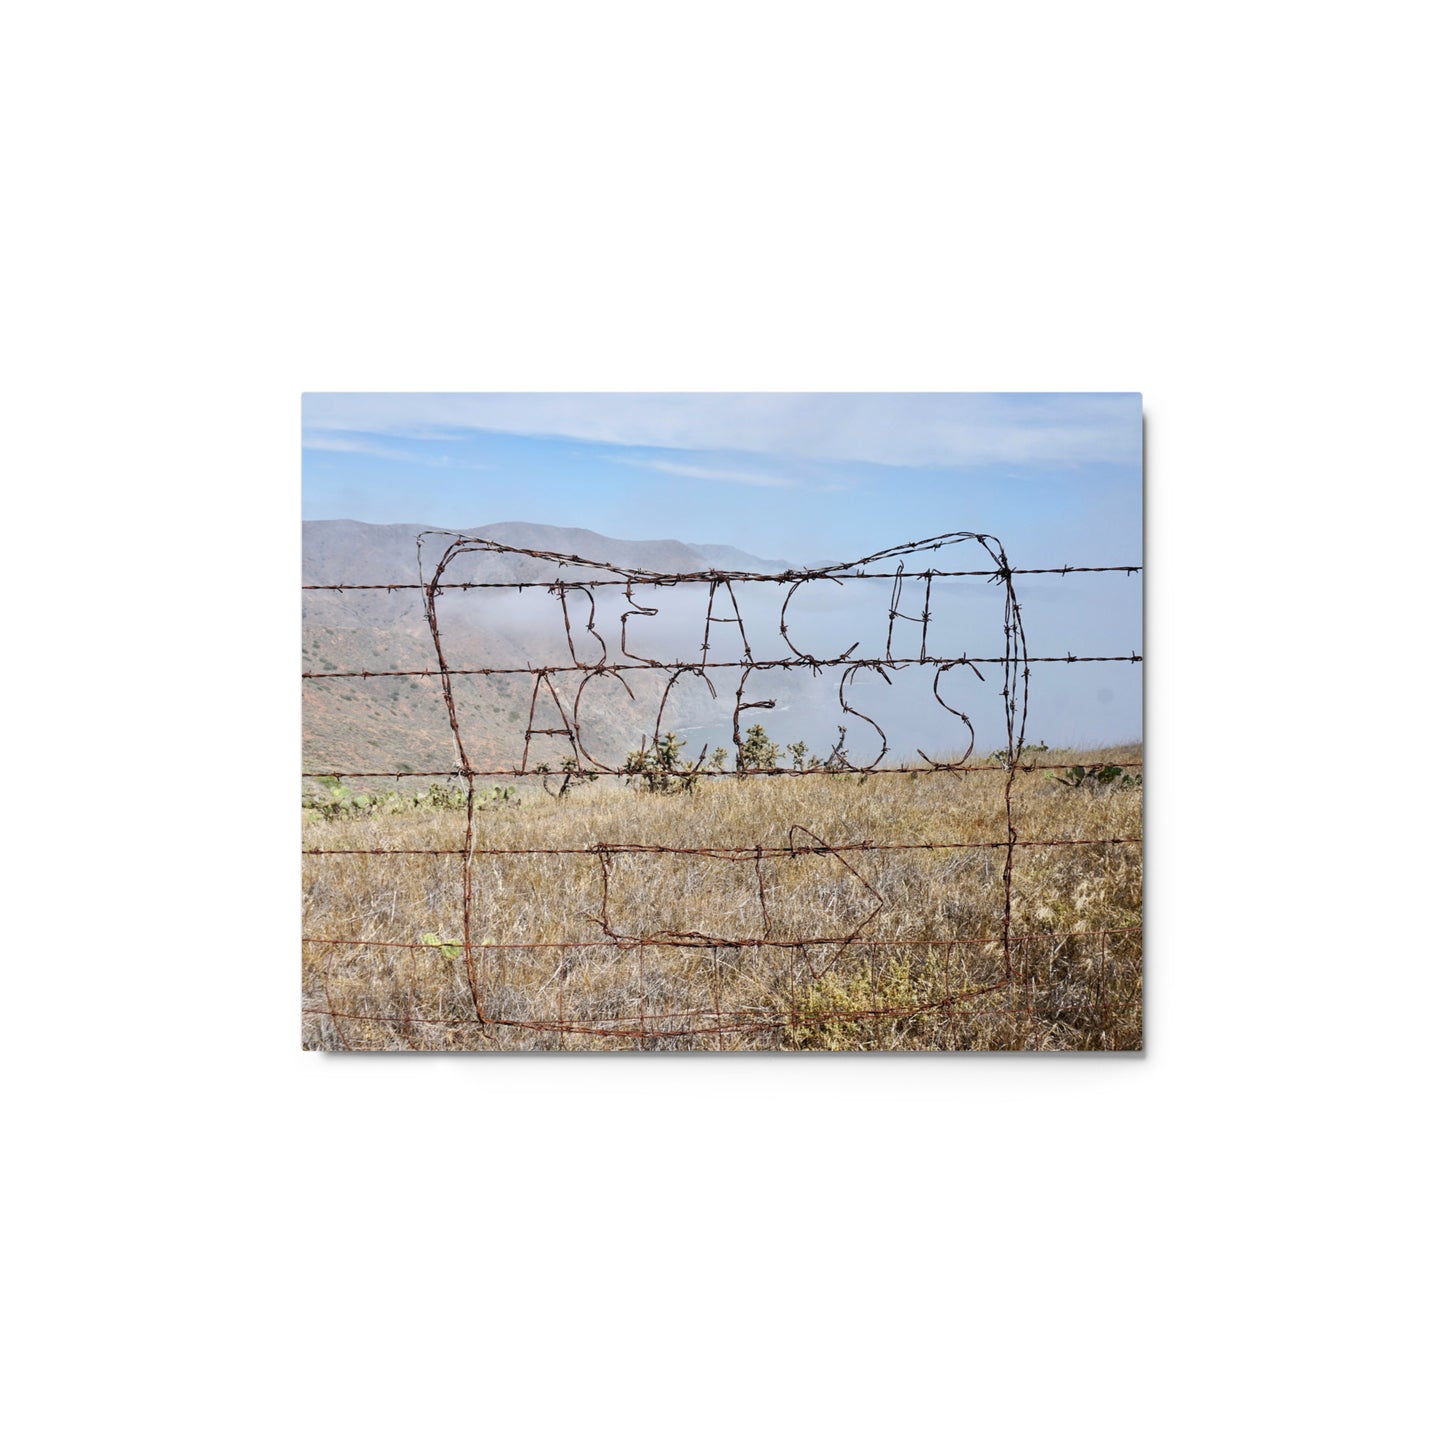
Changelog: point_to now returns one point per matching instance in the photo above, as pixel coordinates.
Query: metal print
(566, 788)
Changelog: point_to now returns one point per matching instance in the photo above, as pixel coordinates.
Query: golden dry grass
(1075, 983)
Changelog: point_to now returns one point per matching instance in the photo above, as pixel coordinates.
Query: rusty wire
(668, 578)
(658, 1025)
(694, 667)
(1020, 768)
(728, 854)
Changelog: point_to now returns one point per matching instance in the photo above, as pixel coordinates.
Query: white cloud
(922, 429)
(716, 474)
(342, 441)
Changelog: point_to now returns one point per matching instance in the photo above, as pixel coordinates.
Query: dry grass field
(744, 951)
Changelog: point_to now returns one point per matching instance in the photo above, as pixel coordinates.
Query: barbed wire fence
(652, 1020)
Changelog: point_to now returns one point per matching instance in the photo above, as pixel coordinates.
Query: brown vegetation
(928, 969)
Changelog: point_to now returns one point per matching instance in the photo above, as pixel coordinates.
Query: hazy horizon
(1070, 705)
(806, 479)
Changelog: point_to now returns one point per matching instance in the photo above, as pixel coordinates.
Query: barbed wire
(760, 772)
(726, 854)
(722, 611)
(693, 667)
(712, 575)
(743, 1020)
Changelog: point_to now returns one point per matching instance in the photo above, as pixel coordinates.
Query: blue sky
(1058, 477)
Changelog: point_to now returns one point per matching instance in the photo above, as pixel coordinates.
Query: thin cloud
(892, 429)
(717, 474)
(357, 444)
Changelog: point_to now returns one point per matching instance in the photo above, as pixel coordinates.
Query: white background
(1230, 208)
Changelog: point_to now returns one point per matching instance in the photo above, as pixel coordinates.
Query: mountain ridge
(400, 723)
(331, 540)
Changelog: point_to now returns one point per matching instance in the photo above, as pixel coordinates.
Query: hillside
(920, 887)
(399, 723)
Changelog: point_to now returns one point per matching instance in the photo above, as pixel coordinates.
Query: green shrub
(573, 775)
(758, 750)
(864, 1011)
(1096, 776)
(660, 768)
(337, 800)
(1002, 755)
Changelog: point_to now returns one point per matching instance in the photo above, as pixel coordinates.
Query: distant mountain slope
(346, 551)
(400, 724)
(733, 560)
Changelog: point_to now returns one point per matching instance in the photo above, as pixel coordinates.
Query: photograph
(723, 722)
(765, 475)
